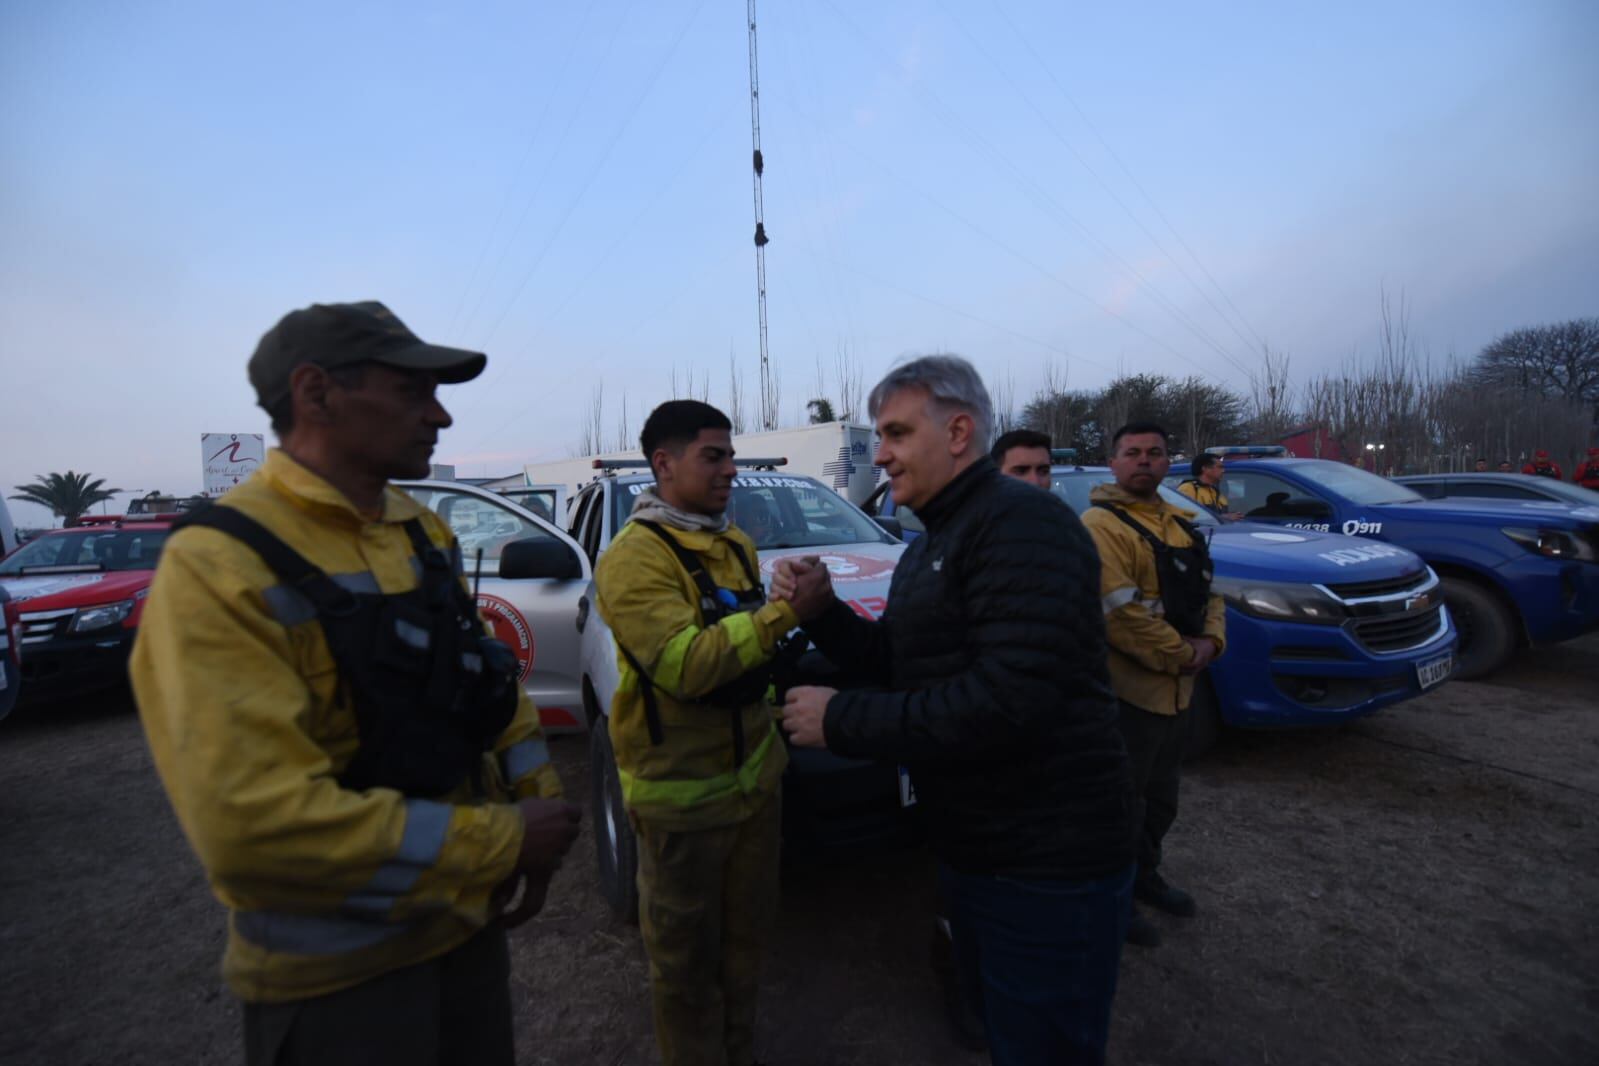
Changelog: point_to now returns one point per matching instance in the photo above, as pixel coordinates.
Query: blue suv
(1514, 572)
(1315, 634)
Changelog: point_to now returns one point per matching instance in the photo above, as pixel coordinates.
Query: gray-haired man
(990, 685)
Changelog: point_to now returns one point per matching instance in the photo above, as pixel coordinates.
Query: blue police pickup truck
(1315, 634)
(1513, 573)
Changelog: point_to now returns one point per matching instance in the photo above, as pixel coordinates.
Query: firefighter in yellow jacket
(350, 756)
(1203, 486)
(1164, 626)
(694, 733)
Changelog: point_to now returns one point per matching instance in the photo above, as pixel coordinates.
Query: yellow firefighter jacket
(1203, 494)
(239, 698)
(1146, 653)
(689, 780)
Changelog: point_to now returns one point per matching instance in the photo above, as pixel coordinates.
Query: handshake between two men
(805, 583)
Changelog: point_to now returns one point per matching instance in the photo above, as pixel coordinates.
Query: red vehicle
(79, 593)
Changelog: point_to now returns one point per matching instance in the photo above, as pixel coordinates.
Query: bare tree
(1003, 394)
(1271, 413)
(735, 401)
(624, 436)
(849, 384)
(593, 423)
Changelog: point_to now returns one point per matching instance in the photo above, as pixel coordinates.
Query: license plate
(1434, 671)
(907, 791)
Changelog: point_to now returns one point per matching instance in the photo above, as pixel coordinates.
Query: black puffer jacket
(992, 652)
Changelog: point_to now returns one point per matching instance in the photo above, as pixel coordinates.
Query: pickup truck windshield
(1074, 489)
(1357, 485)
(122, 549)
(782, 511)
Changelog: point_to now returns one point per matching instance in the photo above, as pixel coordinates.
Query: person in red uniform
(1542, 466)
(1587, 474)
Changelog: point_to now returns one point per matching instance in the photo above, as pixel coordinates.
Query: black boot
(1151, 888)
(1141, 932)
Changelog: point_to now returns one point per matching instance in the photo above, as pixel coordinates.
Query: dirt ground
(1420, 887)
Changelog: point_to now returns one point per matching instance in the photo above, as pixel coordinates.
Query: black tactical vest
(715, 604)
(1184, 573)
(431, 692)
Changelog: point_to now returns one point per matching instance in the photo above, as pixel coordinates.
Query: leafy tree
(69, 496)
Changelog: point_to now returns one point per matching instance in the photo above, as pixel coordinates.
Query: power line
(623, 235)
(588, 179)
(952, 309)
(533, 196)
(1027, 43)
(1050, 125)
(1043, 198)
(1065, 285)
(527, 153)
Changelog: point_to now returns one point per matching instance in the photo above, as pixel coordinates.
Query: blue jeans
(1040, 960)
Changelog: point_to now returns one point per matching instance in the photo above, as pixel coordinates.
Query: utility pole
(768, 395)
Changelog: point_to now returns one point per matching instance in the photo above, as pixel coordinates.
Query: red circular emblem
(842, 566)
(507, 624)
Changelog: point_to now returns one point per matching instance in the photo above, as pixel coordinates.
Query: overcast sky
(1142, 187)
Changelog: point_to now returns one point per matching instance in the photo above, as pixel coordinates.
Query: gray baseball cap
(335, 335)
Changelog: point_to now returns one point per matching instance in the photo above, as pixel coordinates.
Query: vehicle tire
(615, 848)
(1487, 628)
(1204, 721)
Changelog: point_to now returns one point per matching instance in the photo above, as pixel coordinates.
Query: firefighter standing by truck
(1203, 485)
(1164, 626)
(350, 755)
(694, 734)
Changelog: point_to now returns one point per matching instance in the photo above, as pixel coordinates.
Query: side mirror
(539, 557)
(890, 525)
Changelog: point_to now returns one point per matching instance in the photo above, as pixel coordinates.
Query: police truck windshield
(781, 511)
(1074, 487)
(1357, 485)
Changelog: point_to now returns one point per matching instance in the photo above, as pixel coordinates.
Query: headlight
(1280, 600)
(92, 618)
(1553, 543)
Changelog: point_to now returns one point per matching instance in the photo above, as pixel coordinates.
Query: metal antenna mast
(768, 395)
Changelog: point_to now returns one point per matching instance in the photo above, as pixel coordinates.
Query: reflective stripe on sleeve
(669, 666)
(745, 639)
(1120, 598)
(304, 934)
(426, 825)
(523, 757)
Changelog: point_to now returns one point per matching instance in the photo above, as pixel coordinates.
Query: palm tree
(69, 496)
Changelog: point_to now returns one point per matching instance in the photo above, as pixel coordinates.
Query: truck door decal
(507, 624)
(1360, 525)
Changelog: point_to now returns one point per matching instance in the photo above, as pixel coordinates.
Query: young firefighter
(695, 736)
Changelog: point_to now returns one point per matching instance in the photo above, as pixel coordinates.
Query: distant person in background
(1543, 466)
(1023, 454)
(1587, 474)
(1505, 467)
(1481, 467)
(1204, 484)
